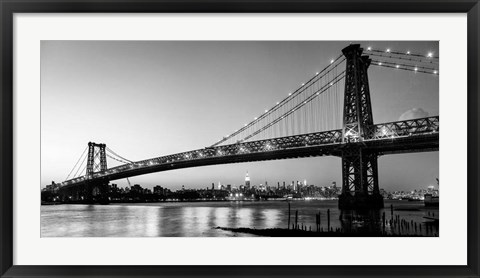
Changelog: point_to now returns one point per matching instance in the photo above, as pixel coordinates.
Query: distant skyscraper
(247, 181)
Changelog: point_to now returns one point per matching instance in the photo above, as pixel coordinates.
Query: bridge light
(430, 55)
(255, 118)
(397, 66)
(434, 72)
(290, 94)
(303, 84)
(318, 93)
(384, 131)
(266, 110)
(415, 69)
(331, 83)
(388, 50)
(278, 102)
(408, 52)
(379, 63)
(245, 124)
(369, 48)
(317, 73)
(331, 61)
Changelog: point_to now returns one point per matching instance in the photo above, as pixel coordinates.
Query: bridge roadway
(410, 136)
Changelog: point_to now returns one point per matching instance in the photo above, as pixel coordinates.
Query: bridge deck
(395, 137)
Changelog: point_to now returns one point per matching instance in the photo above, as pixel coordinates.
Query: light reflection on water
(196, 219)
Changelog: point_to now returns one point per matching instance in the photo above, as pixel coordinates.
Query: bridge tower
(359, 165)
(96, 162)
(97, 158)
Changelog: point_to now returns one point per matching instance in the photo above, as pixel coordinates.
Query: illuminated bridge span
(314, 120)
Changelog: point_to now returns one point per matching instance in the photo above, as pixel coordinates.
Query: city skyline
(126, 94)
(259, 182)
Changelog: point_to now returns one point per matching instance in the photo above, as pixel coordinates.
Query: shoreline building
(247, 181)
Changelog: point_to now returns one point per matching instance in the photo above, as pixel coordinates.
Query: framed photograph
(196, 138)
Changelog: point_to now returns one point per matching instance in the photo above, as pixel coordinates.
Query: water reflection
(271, 218)
(200, 219)
(243, 217)
(221, 216)
(363, 221)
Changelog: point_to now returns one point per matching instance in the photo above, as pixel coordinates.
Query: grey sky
(147, 99)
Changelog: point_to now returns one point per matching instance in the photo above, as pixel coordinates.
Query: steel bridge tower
(96, 162)
(97, 158)
(359, 165)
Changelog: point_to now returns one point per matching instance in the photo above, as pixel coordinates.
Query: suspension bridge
(328, 115)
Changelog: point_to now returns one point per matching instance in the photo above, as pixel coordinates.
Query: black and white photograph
(239, 138)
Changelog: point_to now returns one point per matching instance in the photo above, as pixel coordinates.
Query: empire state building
(247, 181)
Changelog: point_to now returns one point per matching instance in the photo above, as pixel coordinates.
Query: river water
(199, 219)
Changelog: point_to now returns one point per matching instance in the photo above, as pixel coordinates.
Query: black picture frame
(9, 7)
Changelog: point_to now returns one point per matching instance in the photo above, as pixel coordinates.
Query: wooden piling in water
(319, 219)
(296, 219)
(328, 219)
(383, 220)
(288, 215)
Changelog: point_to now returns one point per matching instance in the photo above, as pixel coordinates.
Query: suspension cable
(327, 86)
(406, 68)
(84, 161)
(397, 52)
(405, 58)
(125, 162)
(77, 163)
(334, 63)
(117, 155)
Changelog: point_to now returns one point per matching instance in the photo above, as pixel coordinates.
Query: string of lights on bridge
(408, 53)
(409, 61)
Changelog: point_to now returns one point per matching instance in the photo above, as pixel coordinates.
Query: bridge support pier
(360, 180)
(98, 192)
